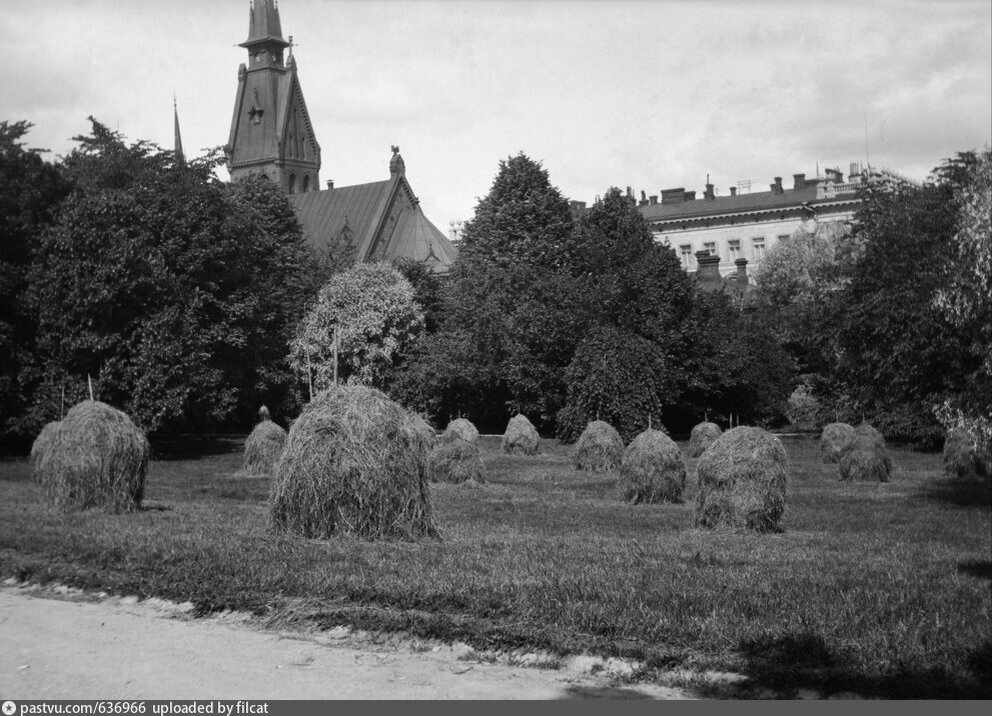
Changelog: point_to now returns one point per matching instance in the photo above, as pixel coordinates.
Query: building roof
(263, 24)
(423, 241)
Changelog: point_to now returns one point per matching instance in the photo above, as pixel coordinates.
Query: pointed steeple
(178, 142)
(263, 24)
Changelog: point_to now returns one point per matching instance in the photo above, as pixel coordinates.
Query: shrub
(702, 436)
(263, 446)
(865, 458)
(454, 460)
(520, 436)
(962, 457)
(743, 478)
(652, 469)
(97, 458)
(833, 439)
(599, 448)
(352, 465)
(802, 409)
(464, 429)
(41, 444)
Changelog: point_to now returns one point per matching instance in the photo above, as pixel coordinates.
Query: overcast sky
(644, 94)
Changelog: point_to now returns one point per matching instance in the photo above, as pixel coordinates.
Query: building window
(292, 183)
(758, 247)
(710, 247)
(734, 249)
(306, 183)
(782, 237)
(685, 253)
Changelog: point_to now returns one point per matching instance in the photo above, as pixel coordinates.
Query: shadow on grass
(781, 667)
(982, 570)
(603, 692)
(961, 491)
(193, 447)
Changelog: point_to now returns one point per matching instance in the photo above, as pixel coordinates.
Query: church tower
(271, 132)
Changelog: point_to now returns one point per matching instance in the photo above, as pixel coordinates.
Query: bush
(743, 477)
(962, 457)
(599, 448)
(97, 458)
(652, 469)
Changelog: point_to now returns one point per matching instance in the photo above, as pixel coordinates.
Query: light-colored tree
(372, 309)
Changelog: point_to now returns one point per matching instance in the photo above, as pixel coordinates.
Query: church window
(292, 183)
(306, 183)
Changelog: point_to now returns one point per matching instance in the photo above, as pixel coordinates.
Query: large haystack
(652, 469)
(702, 436)
(96, 458)
(865, 458)
(599, 448)
(40, 445)
(352, 465)
(833, 439)
(520, 436)
(463, 428)
(263, 446)
(454, 460)
(961, 455)
(743, 478)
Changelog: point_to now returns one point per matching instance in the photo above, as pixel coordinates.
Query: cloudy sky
(647, 94)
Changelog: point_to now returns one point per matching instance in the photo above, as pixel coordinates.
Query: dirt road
(62, 644)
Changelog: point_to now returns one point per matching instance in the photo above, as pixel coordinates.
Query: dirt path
(63, 644)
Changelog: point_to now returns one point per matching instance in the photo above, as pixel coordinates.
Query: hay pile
(462, 428)
(40, 445)
(743, 478)
(520, 436)
(865, 458)
(652, 469)
(599, 448)
(961, 455)
(702, 436)
(96, 458)
(351, 466)
(454, 460)
(264, 446)
(833, 439)
(870, 432)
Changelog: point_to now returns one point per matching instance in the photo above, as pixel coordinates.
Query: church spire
(178, 142)
(263, 24)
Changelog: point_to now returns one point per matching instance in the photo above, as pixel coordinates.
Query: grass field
(881, 589)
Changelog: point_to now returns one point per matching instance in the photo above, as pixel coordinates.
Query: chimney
(798, 182)
(733, 191)
(777, 186)
(708, 271)
(741, 274)
(673, 196)
(644, 199)
(330, 183)
(653, 199)
(709, 194)
(690, 196)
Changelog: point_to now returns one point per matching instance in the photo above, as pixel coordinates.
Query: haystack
(96, 458)
(599, 448)
(961, 455)
(464, 429)
(870, 432)
(742, 477)
(263, 446)
(833, 439)
(455, 461)
(351, 466)
(652, 469)
(702, 436)
(520, 436)
(41, 444)
(865, 458)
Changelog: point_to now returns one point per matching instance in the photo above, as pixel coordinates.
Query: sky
(648, 94)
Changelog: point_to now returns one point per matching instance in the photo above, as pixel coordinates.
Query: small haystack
(520, 436)
(464, 429)
(263, 446)
(652, 469)
(961, 455)
(833, 439)
(865, 458)
(96, 458)
(455, 461)
(41, 444)
(870, 432)
(599, 448)
(352, 465)
(743, 478)
(702, 436)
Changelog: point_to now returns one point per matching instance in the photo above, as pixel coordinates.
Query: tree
(30, 192)
(372, 310)
(174, 292)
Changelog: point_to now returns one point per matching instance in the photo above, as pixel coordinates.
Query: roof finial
(397, 167)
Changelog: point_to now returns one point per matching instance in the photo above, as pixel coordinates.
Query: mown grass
(882, 589)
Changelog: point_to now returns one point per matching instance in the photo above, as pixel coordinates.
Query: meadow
(884, 589)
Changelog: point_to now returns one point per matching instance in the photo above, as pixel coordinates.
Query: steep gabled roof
(422, 241)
